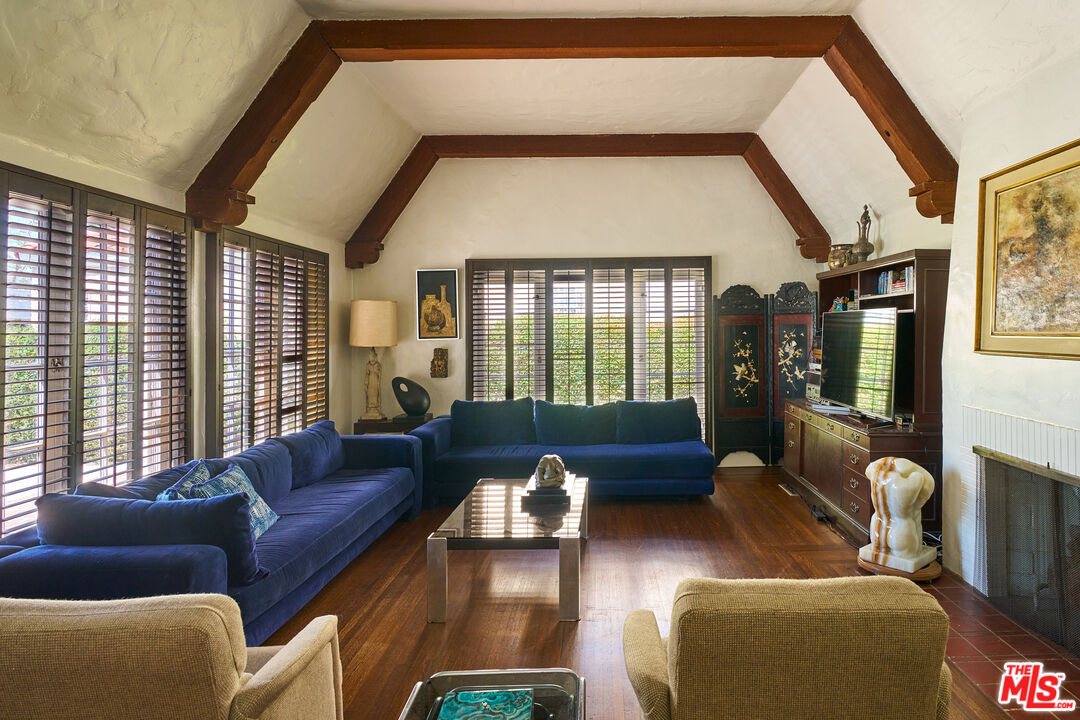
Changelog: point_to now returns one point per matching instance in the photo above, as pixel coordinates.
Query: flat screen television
(867, 361)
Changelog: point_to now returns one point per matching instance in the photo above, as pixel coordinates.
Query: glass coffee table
(490, 518)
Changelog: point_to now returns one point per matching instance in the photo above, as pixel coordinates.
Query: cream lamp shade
(373, 323)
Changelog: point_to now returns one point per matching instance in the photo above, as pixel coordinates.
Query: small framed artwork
(436, 304)
(1028, 282)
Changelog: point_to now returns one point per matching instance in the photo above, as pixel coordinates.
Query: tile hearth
(982, 639)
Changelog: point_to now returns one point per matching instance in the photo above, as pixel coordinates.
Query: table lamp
(373, 324)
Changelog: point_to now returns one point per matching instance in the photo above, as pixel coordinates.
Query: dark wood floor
(503, 606)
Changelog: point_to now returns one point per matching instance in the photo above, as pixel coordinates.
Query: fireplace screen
(1031, 545)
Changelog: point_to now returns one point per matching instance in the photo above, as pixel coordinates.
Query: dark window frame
(550, 266)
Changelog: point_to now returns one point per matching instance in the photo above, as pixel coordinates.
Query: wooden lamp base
(927, 574)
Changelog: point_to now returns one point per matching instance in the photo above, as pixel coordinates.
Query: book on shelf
(894, 281)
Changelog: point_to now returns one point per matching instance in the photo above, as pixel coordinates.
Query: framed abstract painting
(1028, 281)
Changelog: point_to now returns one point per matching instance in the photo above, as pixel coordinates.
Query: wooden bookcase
(827, 453)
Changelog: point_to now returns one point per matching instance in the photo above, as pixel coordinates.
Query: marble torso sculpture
(899, 488)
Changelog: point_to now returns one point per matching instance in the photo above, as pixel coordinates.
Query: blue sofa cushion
(146, 488)
(181, 489)
(96, 489)
(656, 422)
(500, 422)
(268, 465)
(221, 521)
(574, 424)
(316, 452)
(317, 522)
(688, 459)
(63, 572)
(234, 480)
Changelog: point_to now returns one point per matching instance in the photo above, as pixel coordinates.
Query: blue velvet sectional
(624, 448)
(334, 496)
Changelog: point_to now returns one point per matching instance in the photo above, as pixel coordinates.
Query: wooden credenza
(828, 454)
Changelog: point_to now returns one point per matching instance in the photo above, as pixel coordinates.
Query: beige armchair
(181, 656)
(859, 647)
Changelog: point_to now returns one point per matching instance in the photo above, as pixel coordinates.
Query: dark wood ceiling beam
(553, 146)
(541, 38)
(366, 244)
(219, 196)
(923, 157)
(813, 240)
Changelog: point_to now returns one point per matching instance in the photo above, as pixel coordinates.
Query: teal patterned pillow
(235, 480)
(181, 489)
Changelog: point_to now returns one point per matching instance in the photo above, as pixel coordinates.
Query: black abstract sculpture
(411, 396)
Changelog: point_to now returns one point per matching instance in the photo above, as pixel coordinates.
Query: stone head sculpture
(550, 472)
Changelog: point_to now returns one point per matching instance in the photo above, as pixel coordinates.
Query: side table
(396, 425)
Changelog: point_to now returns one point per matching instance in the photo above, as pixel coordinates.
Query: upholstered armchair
(180, 656)
(859, 647)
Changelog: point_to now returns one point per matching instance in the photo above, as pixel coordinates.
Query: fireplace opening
(1030, 549)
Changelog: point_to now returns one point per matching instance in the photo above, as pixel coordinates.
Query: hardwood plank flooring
(503, 605)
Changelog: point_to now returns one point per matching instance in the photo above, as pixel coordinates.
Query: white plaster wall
(1040, 113)
(336, 161)
(342, 370)
(839, 162)
(582, 207)
(149, 88)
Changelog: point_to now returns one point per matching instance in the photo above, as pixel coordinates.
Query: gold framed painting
(1028, 283)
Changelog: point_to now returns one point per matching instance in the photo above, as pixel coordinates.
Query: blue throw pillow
(657, 422)
(574, 424)
(97, 521)
(151, 486)
(181, 490)
(235, 480)
(316, 452)
(492, 422)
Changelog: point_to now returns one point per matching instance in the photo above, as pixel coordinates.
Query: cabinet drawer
(856, 458)
(792, 444)
(857, 508)
(855, 437)
(857, 484)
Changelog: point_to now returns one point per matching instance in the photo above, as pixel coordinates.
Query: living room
(230, 222)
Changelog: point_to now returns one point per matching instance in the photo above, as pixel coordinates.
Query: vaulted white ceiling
(151, 89)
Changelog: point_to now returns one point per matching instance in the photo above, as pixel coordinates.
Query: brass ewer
(863, 249)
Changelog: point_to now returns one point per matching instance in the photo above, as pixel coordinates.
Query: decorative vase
(412, 397)
(839, 256)
(863, 249)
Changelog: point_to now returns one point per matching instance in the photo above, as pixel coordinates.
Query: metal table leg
(436, 579)
(570, 579)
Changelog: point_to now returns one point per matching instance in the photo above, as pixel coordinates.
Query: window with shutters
(94, 377)
(274, 339)
(588, 331)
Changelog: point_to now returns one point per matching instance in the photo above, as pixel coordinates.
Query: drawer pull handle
(829, 425)
(790, 425)
(853, 458)
(790, 443)
(854, 508)
(855, 436)
(853, 483)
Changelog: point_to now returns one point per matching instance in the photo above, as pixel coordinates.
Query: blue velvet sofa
(333, 495)
(624, 448)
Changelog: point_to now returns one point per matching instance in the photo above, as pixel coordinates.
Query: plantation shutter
(688, 335)
(275, 339)
(109, 345)
(236, 343)
(488, 348)
(588, 331)
(164, 338)
(530, 334)
(38, 254)
(609, 335)
(316, 339)
(650, 334)
(267, 343)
